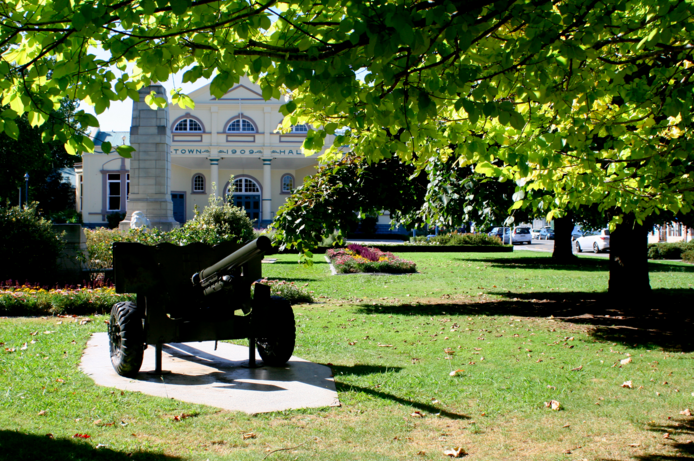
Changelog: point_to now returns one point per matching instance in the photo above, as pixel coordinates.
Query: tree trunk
(562, 239)
(629, 260)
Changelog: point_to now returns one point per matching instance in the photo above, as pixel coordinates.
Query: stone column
(214, 177)
(150, 166)
(267, 192)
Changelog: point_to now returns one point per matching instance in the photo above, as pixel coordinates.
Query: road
(548, 246)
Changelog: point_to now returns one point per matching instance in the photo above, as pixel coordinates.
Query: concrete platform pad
(199, 374)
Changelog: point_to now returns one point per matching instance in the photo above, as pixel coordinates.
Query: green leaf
(78, 21)
(125, 151)
(178, 7)
(106, 147)
(406, 34)
(11, 129)
(267, 92)
(517, 121)
(288, 108)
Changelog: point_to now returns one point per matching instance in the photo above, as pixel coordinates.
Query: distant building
(184, 155)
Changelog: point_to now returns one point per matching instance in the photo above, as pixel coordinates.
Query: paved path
(199, 374)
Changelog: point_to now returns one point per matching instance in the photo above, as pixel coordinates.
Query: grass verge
(392, 354)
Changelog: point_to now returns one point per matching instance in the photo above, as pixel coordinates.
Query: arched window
(245, 186)
(287, 184)
(300, 128)
(240, 126)
(198, 183)
(188, 125)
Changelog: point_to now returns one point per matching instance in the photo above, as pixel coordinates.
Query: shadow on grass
(680, 433)
(20, 446)
(423, 407)
(316, 262)
(665, 319)
(285, 279)
(583, 264)
(362, 370)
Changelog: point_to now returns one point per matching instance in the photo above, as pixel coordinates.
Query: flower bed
(290, 291)
(97, 298)
(356, 258)
(85, 299)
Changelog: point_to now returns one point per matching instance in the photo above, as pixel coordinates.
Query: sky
(118, 116)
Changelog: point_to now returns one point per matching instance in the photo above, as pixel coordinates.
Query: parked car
(576, 233)
(546, 233)
(503, 233)
(536, 233)
(593, 240)
(521, 235)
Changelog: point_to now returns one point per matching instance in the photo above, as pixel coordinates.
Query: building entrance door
(179, 206)
(246, 194)
(250, 204)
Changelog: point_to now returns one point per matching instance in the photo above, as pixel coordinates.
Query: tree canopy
(585, 99)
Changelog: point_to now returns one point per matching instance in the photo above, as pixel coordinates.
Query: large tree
(587, 100)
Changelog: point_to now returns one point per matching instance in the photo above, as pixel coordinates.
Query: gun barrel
(241, 256)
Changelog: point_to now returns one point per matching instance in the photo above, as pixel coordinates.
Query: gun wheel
(126, 339)
(277, 348)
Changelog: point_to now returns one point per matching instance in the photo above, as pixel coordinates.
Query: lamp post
(26, 198)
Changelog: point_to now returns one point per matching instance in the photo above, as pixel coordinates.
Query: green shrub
(114, 219)
(70, 216)
(228, 220)
(455, 239)
(219, 222)
(688, 256)
(29, 248)
(673, 250)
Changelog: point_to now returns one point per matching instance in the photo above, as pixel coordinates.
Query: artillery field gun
(191, 293)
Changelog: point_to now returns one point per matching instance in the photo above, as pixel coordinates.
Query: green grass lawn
(521, 330)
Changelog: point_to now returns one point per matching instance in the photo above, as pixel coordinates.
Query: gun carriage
(193, 293)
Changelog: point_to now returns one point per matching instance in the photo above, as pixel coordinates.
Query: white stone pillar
(150, 166)
(267, 192)
(214, 128)
(214, 177)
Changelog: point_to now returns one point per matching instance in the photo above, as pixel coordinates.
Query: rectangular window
(81, 190)
(127, 186)
(113, 189)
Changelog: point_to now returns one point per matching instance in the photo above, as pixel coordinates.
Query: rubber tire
(277, 348)
(578, 247)
(126, 339)
(596, 248)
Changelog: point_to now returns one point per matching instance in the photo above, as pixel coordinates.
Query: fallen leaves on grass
(686, 412)
(81, 436)
(628, 384)
(182, 416)
(456, 372)
(249, 435)
(666, 435)
(417, 414)
(579, 368)
(625, 361)
(43, 413)
(635, 445)
(456, 452)
(553, 404)
(449, 351)
(385, 345)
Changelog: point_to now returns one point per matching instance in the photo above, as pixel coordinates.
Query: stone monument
(150, 165)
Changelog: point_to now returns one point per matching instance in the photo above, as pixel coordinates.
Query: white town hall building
(181, 156)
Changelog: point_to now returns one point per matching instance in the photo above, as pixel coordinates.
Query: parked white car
(521, 235)
(536, 233)
(593, 240)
